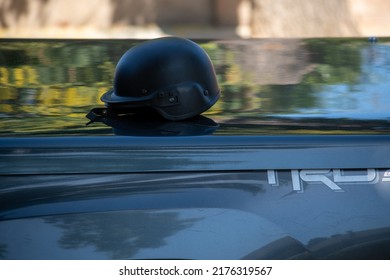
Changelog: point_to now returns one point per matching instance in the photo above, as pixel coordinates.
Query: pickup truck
(293, 161)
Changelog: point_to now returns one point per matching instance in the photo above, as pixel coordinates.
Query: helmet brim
(111, 97)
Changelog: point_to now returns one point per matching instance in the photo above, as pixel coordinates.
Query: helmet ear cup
(183, 101)
(174, 76)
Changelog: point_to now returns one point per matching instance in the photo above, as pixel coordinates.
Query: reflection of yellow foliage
(19, 77)
(6, 94)
(209, 46)
(71, 97)
(53, 96)
(101, 91)
(4, 76)
(32, 77)
(27, 75)
(80, 96)
(6, 108)
(213, 111)
(233, 75)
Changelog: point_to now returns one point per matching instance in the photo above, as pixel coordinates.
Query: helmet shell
(174, 76)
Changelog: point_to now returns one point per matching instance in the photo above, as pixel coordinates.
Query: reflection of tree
(252, 73)
(58, 82)
(119, 234)
(75, 189)
(283, 76)
(337, 62)
(288, 98)
(55, 82)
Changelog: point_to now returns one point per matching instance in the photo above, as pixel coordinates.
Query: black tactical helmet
(172, 75)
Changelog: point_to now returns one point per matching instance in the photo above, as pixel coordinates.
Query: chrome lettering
(272, 178)
(339, 176)
(320, 176)
(331, 178)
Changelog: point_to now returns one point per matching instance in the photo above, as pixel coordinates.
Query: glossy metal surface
(293, 164)
(199, 153)
(269, 86)
(223, 215)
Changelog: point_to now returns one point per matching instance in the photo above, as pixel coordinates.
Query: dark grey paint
(213, 215)
(145, 154)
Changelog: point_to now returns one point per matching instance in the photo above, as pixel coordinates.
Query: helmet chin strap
(105, 114)
(98, 114)
(101, 114)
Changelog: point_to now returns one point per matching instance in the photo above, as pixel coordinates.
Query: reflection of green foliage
(51, 85)
(119, 235)
(287, 98)
(338, 60)
(58, 64)
(238, 89)
(224, 65)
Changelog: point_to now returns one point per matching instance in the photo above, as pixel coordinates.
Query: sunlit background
(195, 19)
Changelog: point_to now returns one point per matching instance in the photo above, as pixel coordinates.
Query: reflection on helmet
(152, 124)
(174, 76)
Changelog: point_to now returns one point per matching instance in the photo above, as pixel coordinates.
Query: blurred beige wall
(315, 18)
(201, 18)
